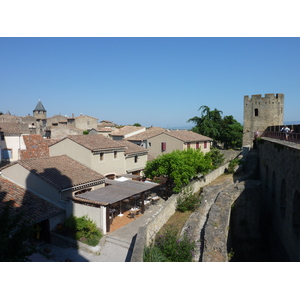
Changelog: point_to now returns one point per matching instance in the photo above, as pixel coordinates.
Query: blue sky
(152, 81)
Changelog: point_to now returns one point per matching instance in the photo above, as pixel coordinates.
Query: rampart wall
(279, 167)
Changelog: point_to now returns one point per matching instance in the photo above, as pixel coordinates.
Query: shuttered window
(197, 145)
(163, 146)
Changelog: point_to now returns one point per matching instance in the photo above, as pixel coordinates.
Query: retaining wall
(146, 233)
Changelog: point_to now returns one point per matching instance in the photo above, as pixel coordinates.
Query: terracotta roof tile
(33, 207)
(60, 171)
(95, 142)
(126, 130)
(36, 146)
(187, 136)
(149, 133)
(131, 147)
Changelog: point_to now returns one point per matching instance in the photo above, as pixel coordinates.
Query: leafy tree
(223, 130)
(209, 122)
(85, 132)
(14, 234)
(179, 166)
(137, 124)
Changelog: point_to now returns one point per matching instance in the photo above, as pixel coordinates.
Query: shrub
(188, 201)
(169, 247)
(233, 163)
(84, 229)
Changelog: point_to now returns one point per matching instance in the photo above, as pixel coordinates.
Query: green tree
(222, 130)
(179, 166)
(137, 124)
(209, 123)
(15, 231)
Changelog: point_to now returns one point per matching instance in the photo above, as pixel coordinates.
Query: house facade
(159, 141)
(97, 152)
(83, 122)
(55, 179)
(11, 140)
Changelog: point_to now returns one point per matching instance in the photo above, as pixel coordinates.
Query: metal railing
(291, 137)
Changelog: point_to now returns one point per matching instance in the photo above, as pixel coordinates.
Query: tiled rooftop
(126, 130)
(36, 146)
(131, 147)
(149, 133)
(60, 171)
(95, 142)
(33, 206)
(13, 128)
(188, 136)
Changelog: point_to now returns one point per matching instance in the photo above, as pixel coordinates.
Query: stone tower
(261, 112)
(40, 115)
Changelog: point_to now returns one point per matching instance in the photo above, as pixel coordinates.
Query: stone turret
(40, 115)
(261, 112)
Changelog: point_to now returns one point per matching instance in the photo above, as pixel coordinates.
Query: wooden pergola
(117, 191)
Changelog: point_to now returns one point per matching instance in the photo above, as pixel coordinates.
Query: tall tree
(208, 123)
(222, 130)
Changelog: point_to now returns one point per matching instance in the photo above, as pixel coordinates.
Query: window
(188, 145)
(136, 159)
(115, 154)
(256, 112)
(6, 154)
(101, 156)
(205, 145)
(149, 144)
(197, 145)
(163, 146)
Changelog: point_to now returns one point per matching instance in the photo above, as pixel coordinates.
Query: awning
(115, 191)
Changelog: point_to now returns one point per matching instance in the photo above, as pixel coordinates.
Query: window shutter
(163, 146)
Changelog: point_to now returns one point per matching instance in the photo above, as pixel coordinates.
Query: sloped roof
(33, 207)
(187, 136)
(94, 142)
(116, 191)
(13, 128)
(40, 107)
(131, 147)
(126, 130)
(36, 146)
(149, 133)
(62, 172)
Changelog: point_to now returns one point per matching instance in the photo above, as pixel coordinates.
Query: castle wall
(279, 166)
(261, 112)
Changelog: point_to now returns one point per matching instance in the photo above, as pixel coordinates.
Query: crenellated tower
(261, 112)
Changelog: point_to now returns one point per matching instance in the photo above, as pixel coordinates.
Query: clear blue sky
(152, 81)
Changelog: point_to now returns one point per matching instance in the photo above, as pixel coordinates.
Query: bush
(216, 157)
(188, 201)
(168, 247)
(233, 163)
(83, 229)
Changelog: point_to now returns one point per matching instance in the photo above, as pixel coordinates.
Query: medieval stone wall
(261, 112)
(279, 165)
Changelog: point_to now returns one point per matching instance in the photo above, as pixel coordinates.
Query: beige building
(97, 152)
(135, 158)
(83, 122)
(159, 141)
(11, 140)
(56, 179)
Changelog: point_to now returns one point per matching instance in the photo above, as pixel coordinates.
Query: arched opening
(296, 212)
(283, 198)
(256, 112)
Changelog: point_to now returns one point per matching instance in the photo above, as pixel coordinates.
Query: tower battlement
(268, 97)
(261, 112)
